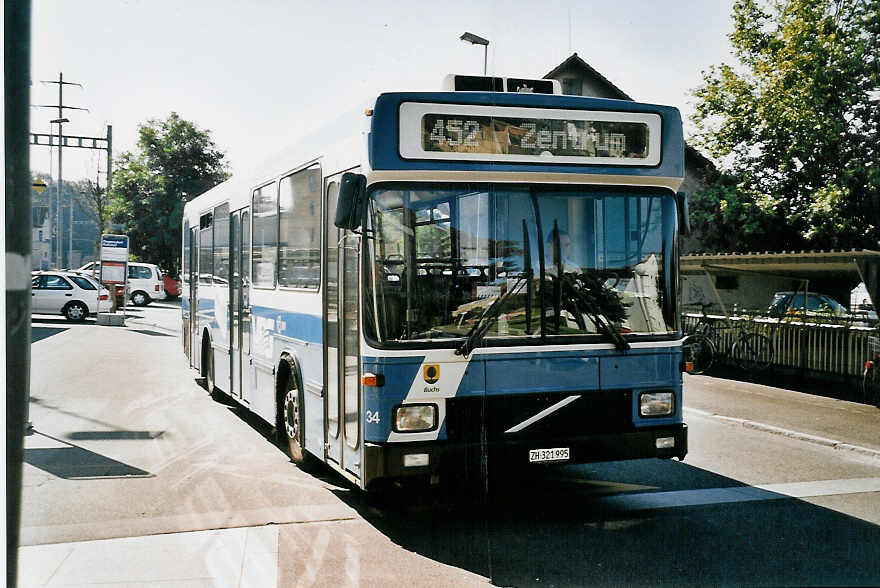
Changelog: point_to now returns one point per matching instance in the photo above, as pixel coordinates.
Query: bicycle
(751, 351)
(870, 385)
(697, 347)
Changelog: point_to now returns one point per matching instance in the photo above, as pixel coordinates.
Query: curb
(143, 323)
(814, 439)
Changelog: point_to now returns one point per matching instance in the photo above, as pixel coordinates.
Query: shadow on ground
(40, 333)
(790, 379)
(73, 462)
(600, 525)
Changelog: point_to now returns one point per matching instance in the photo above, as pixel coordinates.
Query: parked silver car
(73, 294)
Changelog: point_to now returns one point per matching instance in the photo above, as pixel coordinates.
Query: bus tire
(208, 364)
(290, 428)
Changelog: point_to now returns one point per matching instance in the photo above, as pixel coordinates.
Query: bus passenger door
(349, 366)
(195, 356)
(235, 305)
(241, 324)
(332, 432)
(342, 354)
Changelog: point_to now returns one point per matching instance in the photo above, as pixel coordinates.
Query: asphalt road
(127, 443)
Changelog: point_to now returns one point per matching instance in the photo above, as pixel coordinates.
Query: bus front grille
(519, 417)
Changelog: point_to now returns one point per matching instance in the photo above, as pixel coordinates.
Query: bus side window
(299, 205)
(187, 245)
(206, 248)
(265, 236)
(221, 244)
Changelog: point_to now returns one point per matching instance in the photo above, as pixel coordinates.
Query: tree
(795, 129)
(174, 162)
(95, 201)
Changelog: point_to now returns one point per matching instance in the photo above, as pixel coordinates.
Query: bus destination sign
(470, 132)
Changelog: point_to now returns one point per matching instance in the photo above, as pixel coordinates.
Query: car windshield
(557, 261)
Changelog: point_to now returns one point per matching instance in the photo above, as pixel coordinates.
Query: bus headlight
(656, 404)
(412, 418)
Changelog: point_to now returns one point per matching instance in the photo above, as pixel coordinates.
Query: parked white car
(145, 282)
(72, 294)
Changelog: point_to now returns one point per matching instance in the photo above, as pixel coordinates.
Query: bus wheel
(208, 365)
(290, 421)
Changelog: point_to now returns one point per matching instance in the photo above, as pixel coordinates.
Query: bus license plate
(544, 455)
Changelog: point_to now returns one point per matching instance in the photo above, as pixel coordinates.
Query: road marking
(824, 487)
(709, 496)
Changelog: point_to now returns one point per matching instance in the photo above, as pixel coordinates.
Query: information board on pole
(114, 263)
(114, 248)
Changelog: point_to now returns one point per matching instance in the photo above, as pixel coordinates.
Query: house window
(571, 86)
(727, 282)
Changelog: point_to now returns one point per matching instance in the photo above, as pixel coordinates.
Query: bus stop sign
(114, 248)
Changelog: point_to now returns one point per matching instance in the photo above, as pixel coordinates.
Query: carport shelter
(749, 280)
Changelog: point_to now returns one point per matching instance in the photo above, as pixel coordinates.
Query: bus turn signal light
(374, 380)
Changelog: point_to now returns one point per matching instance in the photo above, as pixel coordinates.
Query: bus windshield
(519, 263)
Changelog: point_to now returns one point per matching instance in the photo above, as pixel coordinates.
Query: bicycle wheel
(699, 350)
(871, 384)
(753, 352)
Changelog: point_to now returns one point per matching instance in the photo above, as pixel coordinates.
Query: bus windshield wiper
(593, 308)
(482, 325)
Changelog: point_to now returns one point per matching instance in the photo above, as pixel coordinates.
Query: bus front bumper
(442, 458)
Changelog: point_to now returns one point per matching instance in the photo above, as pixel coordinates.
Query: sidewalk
(849, 426)
(242, 557)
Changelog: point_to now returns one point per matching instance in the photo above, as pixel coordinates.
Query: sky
(259, 74)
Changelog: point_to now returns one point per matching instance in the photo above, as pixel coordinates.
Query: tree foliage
(174, 162)
(794, 127)
(95, 202)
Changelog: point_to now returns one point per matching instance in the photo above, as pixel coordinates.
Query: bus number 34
(373, 417)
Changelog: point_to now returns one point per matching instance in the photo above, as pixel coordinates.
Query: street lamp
(477, 40)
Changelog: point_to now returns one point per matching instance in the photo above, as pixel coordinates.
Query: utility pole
(16, 94)
(59, 258)
(101, 143)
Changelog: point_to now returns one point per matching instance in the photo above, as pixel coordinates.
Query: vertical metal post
(16, 94)
(485, 57)
(59, 261)
(109, 182)
(59, 256)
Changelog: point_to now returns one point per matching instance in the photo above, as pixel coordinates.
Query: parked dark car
(817, 305)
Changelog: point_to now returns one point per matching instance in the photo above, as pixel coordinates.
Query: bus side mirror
(684, 215)
(351, 197)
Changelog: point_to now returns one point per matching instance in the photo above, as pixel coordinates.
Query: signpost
(114, 270)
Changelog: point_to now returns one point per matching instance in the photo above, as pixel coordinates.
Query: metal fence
(809, 348)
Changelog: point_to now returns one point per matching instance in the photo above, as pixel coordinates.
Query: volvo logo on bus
(431, 373)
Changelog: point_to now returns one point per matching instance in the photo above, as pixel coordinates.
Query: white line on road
(707, 496)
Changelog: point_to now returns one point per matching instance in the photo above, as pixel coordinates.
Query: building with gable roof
(578, 78)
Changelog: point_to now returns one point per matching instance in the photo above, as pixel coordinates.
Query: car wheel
(76, 311)
(140, 299)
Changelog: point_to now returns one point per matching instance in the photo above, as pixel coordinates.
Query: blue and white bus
(453, 280)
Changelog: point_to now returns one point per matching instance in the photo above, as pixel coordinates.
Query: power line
(61, 141)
